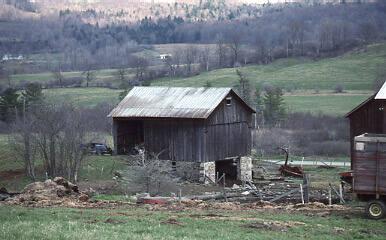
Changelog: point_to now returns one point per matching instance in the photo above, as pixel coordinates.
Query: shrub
(338, 88)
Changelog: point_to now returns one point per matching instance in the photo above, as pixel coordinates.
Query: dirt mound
(58, 191)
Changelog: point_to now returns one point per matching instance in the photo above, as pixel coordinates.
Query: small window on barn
(228, 101)
(360, 146)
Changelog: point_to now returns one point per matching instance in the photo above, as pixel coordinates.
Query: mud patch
(206, 215)
(173, 221)
(276, 226)
(114, 221)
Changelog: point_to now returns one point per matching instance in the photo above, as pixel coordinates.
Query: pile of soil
(58, 191)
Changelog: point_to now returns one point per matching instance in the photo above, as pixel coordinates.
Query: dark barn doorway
(229, 168)
(130, 134)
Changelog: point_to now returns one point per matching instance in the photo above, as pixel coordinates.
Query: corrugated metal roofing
(381, 93)
(170, 102)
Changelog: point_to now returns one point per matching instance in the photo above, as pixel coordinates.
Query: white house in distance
(165, 56)
(9, 57)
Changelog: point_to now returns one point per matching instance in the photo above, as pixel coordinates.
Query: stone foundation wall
(207, 172)
(244, 169)
(196, 172)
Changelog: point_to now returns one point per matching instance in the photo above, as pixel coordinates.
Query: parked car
(99, 149)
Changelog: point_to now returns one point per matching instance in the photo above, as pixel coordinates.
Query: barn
(368, 117)
(201, 131)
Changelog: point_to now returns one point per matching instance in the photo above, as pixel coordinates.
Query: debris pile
(58, 191)
(262, 205)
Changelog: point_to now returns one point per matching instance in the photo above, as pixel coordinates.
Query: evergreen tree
(33, 94)
(244, 87)
(274, 109)
(259, 106)
(208, 84)
(121, 75)
(89, 76)
(9, 104)
(258, 100)
(123, 94)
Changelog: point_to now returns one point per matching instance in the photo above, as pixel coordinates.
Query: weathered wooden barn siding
(228, 131)
(211, 130)
(368, 118)
(178, 139)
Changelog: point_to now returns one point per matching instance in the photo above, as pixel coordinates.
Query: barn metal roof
(381, 93)
(171, 102)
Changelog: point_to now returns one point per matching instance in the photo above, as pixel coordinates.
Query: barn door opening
(229, 168)
(129, 135)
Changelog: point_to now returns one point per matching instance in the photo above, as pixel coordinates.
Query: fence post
(329, 196)
(306, 184)
(225, 193)
(301, 193)
(341, 193)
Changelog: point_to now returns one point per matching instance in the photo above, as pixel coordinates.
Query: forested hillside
(248, 34)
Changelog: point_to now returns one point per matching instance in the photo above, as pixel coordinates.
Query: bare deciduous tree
(59, 78)
(56, 134)
(221, 50)
(148, 171)
(88, 74)
(190, 58)
(205, 59)
(141, 65)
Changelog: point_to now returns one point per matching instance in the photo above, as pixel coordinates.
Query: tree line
(52, 133)
(277, 32)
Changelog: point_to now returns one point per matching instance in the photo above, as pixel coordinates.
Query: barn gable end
(368, 117)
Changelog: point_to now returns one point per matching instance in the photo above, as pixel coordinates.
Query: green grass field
(85, 97)
(324, 102)
(355, 70)
(331, 104)
(135, 222)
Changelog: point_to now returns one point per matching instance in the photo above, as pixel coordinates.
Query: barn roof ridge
(173, 102)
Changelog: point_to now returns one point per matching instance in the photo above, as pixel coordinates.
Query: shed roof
(172, 102)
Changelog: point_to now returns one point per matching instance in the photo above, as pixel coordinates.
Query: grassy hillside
(86, 97)
(354, 71)
(332, 104)
(324, 102)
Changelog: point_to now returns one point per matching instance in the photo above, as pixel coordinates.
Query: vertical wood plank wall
(226, 133)
(370, 118)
